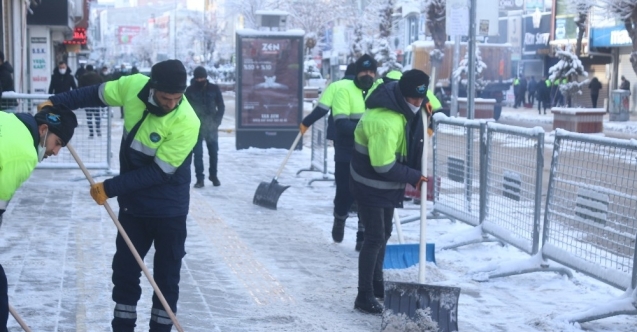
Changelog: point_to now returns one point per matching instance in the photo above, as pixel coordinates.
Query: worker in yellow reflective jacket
(26, 140)
(380, 168)
(153, 188)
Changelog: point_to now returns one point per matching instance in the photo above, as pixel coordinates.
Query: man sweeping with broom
(379, 172)
(26, 140)
(153, 188)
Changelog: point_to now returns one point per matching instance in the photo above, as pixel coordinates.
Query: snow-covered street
(252, 269)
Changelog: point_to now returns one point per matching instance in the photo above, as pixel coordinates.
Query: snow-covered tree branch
(566, 73)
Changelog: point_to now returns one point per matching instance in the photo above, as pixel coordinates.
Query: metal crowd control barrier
(514, 163)
(319, 152)
(456, 161)
(589, 222)
(96, 150)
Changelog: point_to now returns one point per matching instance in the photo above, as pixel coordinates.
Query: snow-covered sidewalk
(252, 269)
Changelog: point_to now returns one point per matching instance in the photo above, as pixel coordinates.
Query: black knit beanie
(414, 83)
(200, 72)
(60, 120)
(168, 76)
(365, 62)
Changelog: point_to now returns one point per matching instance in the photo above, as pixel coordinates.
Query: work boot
(338, 230)
(379, 289)
(366, 302)
(215, 180)
(199, 184)
(360, 237)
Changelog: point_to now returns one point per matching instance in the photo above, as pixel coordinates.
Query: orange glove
(422, 179)
(98, 193)
(303, 128)
(44, 104)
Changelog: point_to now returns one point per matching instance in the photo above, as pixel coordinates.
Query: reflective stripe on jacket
(155, 168)
(348, 107)
(379, 170)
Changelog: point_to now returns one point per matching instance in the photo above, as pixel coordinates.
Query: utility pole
(471, 88)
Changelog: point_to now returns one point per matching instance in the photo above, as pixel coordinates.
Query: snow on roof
(254, 33)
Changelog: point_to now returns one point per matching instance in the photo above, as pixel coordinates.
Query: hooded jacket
(62, 83)
(379, 167)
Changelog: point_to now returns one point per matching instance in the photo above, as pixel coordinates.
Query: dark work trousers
(4, 300)
(378, 226)
(93, 113)
(213, 148)
(343, 199)
(169, 237)
(594, 100)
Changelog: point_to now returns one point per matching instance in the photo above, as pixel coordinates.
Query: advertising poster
(40, 74)
(270, 82)
(126, 34)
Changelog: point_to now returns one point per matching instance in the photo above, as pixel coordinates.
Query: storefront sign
(270, 82)
(537, 38)
(511, 4)
(565, 27)
(39, 60)
(610, 37)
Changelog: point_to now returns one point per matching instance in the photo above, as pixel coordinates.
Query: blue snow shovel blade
(404, 298)
(402, 256)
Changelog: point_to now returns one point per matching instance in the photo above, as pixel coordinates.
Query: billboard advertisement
(126, 34)
(270, 85)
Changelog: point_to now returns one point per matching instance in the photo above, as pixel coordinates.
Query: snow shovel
(130, 245)
(267, 194)
(417, 303)
(402, 256)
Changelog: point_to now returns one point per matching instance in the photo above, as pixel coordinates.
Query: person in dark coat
(6, 81)
(80, 71)
(543, 94)
(531, 88)
(625, 85)
(207, 101)
(62, 80)
(91, 77)
(594, 86)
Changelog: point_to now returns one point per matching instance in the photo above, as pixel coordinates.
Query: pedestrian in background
(543, 93)
(91, 77)
(594, 86)
(207, 101)
(153, 187)
(625, 85)
(6, 84)
(379, 172)
(62, 80)
(532, 88)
